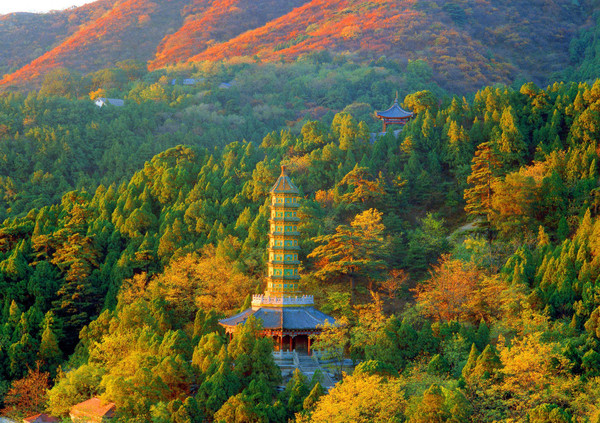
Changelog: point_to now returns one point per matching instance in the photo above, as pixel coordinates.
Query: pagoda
(287, 314)
(395, 115)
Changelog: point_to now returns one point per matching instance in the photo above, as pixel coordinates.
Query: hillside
(131, 29)
(21, 40)
(209, 23)
(466, 43)
(121, 286)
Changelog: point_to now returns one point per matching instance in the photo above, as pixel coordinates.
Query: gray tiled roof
(395, 112)
(290, 318)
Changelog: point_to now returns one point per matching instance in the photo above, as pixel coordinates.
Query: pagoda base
(287, 343)
(289, 326)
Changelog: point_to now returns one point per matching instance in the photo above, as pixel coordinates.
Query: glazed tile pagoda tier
(283, 309)
(395, 115)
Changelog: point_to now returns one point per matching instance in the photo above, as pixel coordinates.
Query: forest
(468, 293)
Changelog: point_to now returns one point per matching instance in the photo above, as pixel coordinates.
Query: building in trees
(395, 115)
(286, 314)
(102, 101)
(41, 418)
(93, 410)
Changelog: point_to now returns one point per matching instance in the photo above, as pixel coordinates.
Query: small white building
(101, 101)
(187, 81)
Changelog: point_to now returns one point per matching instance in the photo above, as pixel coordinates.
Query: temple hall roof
(282, 318)
(284, 184)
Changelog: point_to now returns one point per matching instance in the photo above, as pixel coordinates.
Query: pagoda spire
(283, 277)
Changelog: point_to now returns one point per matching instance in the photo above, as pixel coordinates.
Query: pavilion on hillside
(395, 115)
(288, 316)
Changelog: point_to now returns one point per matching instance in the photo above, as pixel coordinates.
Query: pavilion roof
(395, 112)
(284, 318)
(284, 184)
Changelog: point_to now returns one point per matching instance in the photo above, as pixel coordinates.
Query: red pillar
(308, 344)
(281, 342)
(291, 342)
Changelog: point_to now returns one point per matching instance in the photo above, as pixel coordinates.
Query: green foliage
(438, 366)
(548, 413)
(440, 405)
(74, 387)
(129, 280)
(354, 250)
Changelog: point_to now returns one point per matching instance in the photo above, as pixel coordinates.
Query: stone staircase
(308, 365)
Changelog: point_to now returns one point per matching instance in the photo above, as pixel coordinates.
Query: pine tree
(431, 407)
(511, 144)
(486, 366)
(482, 336)
(479, 196)
(295, 393)
(354, 250)
(310, 401)
(471, 362)
(49, 352)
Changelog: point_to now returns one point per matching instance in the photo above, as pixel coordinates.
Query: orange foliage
(392, 284)
(27, 395)
(112, 30)
(325, 198)
(219, 21)
(458, 290)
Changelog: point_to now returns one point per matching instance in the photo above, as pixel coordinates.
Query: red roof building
(41, 418)
(93, 410)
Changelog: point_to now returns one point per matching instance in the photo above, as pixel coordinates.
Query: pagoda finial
(396, 100)
(283, 170)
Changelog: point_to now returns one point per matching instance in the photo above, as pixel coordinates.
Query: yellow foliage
(534, 372)
(191, 283)
(359, 398)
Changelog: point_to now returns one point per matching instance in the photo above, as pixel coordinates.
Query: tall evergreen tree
(484, 170)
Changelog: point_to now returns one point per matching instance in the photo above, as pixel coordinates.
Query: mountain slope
(130, 30)
(209, 22)
(483, 43)
(21, 40)
(467, 43)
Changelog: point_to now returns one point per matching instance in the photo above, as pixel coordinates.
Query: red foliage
(217, 21)
(467, 44)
